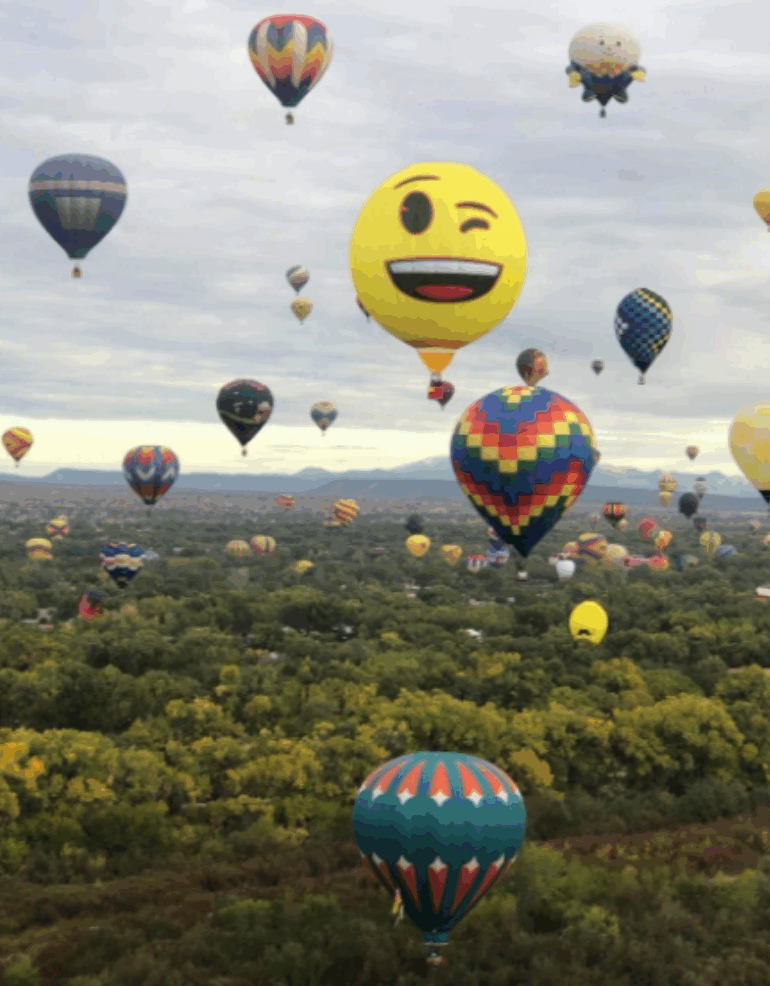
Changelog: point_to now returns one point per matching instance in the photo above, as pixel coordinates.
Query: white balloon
(565, 568)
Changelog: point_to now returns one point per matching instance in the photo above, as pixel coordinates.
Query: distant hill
(431, 478)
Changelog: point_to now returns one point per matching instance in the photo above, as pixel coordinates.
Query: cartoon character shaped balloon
(438, 258)
(440, 829)
(522, 456)
(17, 442)
(244, 407)
(588, 621)
(290, 54)
(643, 324)
(78, 198)
(150, 471)
(604, 58)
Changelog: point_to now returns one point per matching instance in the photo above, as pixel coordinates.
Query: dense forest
(177, 777)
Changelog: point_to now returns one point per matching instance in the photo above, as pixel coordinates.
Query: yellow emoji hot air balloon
(588, 621)
(750, 445)
(451, 553)
(762, 205)
(417, 545)
(710, 541)
(438, 258)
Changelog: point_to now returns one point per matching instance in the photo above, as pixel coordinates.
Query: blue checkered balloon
(643, 323)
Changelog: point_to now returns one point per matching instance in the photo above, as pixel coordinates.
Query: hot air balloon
(667, 483)
(38, 549)
(290, 55)
(150, 471)
(237, 549)
(616, 554)
(597, 366)
(414, 524)
(588, 621)
(614, 513)
(522, 456)
(754, 526)
(244, 407)
(441, 391)
(532, 365)
(591, 547)
(750, 446)
(90, 605)
(594, 518)
(762, 205)
(688, 504)
(285, 500)
(263, 544)
(476, 562)
(497, 557)
(346, 511)
(665, 498)
(441, 829)
(710, 541)
(699, 487)
(726, 551)
(762, 593)
(417, 545)
(17, 442)
(622, 525)
(604, 59)
(78, 199)
(324, 413)
(658, 563)
(663, 540)
(691, 452)
(646, 526)
(121, 561)
(643, 323)
(301, 307)
(700, 524)
(297, 277)
(571, 549)
(565, 568)
(417, 272)
(58, 528)
(302, 567)
(766, 540)
(451, 553)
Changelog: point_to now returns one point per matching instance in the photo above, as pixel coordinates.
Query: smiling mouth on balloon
(443, 279)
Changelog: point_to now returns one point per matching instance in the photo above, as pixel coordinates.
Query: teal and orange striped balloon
(522, 456)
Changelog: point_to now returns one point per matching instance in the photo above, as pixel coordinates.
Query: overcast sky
(188, 290)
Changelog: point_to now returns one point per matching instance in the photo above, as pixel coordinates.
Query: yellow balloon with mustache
(438, 258)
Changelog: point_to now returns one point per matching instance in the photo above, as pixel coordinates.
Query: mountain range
(431, 477)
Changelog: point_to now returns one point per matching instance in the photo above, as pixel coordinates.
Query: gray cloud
(188, 290)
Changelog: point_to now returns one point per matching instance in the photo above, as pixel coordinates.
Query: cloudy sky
(188, 290)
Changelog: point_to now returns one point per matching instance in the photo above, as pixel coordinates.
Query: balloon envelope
(643, 324)
(298, 277)
(77, 198)
(324, 413)
(532, 365)
(522, 456)
(121, 561)
(441, 828)
(688, 504)
(290, 54)
(749, 442)
(17, 442)
(588, 621)
(417, 545)
(244, 407)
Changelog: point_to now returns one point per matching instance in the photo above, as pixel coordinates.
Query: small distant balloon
(691, 452)
(643, 324)
(324, 413)
(298, 277)
(301, 307)
(762, 206)
(17, 442)
(532, 365)
(597, 366)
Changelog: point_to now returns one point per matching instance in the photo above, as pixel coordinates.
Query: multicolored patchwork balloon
(439, 829)
(324, 413)
(643, 324)
(121, 561)
(290, 54)
(17, 442)
(298, 277)
(522, 456)
(150, 471)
